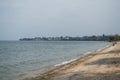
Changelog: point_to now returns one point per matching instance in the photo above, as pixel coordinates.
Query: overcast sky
(33, 18)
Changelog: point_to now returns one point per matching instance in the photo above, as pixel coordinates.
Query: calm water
(17, 57)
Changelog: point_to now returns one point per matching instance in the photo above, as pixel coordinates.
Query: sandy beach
(100, 65)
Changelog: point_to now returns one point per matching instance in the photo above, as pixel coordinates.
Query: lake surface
(17, 57)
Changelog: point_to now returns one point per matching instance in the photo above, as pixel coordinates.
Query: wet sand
(100, 65)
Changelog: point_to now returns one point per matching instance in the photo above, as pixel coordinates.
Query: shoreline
(49, 70)
(71, 63)
(87, 53)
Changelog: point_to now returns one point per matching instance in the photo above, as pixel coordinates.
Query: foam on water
(65, 62)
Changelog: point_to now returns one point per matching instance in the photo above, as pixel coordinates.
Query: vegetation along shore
(69, 38)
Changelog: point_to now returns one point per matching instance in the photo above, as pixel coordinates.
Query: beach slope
(100, 65)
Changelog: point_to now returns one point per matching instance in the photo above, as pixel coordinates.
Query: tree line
(103, 37)
(114, 38)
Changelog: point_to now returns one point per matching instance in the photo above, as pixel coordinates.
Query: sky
(34, 18)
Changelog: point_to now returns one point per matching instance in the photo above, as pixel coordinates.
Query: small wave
(65, 62)
(88, 52)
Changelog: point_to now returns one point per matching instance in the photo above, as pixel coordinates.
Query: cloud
(59, 17)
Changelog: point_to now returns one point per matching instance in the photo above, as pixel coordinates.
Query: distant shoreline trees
(114, 38)
(103, 37)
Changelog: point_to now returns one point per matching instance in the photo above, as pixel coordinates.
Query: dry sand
(100, 65)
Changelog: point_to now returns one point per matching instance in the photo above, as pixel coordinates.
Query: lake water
(17, 57)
